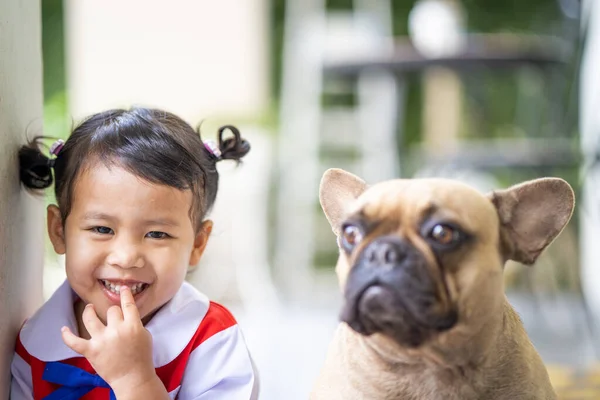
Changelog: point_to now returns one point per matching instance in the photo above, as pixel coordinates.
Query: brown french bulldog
(425, 315)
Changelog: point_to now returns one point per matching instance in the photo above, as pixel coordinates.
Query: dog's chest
(432, 386)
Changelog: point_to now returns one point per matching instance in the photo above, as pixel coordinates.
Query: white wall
(193, 57)
(21, 215)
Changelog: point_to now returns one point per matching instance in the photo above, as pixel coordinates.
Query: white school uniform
(198, 350)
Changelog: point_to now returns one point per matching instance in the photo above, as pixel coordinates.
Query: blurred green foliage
(56, 122)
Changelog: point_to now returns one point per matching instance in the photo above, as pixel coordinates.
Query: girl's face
(123, 230)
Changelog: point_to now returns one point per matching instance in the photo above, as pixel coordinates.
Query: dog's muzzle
(390, 290)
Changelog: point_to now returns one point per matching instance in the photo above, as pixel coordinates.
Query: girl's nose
(125, 254)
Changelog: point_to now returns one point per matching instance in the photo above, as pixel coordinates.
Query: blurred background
(491, 92)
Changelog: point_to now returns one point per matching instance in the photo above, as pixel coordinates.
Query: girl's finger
(74, 342)
(91, 321)
(113, 316)
(130, 311)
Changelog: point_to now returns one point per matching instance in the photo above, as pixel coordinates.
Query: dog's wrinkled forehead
(407, 201)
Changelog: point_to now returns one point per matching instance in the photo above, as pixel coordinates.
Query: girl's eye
(157, 235)
(102, 230)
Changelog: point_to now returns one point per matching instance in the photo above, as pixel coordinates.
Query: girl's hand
(121, 351)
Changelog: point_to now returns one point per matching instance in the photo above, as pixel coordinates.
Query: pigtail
(35, 169)
(233, 148)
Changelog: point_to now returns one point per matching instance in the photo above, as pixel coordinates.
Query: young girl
(133, 188)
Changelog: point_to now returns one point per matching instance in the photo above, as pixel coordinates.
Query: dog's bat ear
(532, 214)
(338, 189)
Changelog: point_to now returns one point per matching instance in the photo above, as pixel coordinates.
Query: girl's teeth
(135, 288)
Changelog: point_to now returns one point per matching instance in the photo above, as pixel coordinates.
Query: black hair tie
(36, 170)
(224, 145)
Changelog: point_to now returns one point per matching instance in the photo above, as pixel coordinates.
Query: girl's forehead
(113, 188)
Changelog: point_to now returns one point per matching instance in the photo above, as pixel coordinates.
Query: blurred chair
(313, 136)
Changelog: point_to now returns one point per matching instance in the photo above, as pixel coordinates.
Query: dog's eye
(444, 234)
(351, 236)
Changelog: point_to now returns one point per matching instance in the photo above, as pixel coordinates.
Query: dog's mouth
(380, 308)
(372, 310)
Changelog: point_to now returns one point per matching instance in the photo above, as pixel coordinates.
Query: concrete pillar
(21, 215)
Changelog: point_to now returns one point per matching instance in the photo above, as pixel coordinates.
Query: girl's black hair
(155, 145)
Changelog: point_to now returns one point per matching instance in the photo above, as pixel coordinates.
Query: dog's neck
(462, 347)
(455, 367)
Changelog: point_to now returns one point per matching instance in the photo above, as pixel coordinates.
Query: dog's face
(419, 257)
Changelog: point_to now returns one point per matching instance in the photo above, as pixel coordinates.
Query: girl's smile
(112, 289)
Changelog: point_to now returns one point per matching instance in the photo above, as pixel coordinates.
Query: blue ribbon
(75, 382)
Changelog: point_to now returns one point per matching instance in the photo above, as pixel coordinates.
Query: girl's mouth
(115, 288)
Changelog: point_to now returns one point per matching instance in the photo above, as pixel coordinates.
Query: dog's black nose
(385, 252)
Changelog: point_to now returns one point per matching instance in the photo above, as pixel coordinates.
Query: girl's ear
(56, 229)
(200, 242)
